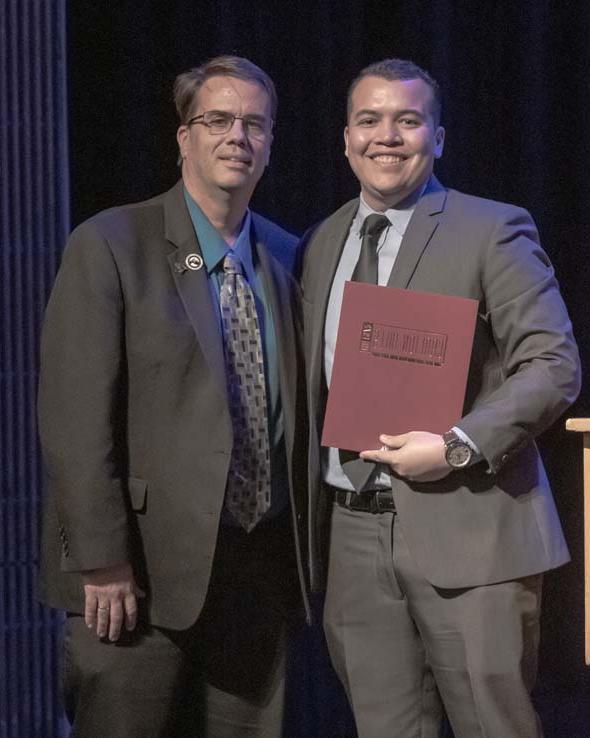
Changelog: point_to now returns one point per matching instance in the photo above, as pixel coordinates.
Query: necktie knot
(231, 265)
(374, 224)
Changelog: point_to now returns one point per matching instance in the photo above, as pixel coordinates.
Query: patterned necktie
(366, 270)
(248, 484)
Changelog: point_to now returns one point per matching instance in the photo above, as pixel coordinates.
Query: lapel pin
(194, 262)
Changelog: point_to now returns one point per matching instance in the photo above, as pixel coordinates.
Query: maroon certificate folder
(400, 364)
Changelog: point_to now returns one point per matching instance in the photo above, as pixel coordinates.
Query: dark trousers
(222, 678)
(397, 642)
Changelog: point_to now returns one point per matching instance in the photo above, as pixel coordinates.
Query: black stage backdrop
(516, 88)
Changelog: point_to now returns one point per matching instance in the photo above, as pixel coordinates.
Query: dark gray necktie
(366, 270)
(248, 486)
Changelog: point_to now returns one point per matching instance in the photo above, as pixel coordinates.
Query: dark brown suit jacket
(133, 412)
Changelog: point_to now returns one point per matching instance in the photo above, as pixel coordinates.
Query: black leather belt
(373, 501)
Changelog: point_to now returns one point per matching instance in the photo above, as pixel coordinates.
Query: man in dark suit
(434, 568)
(171, 527)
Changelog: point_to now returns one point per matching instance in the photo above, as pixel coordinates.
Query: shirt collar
(242, 248)
(213, 246)
(398, 217)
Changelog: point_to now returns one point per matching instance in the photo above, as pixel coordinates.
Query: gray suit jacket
(497, 519)
(133, 411)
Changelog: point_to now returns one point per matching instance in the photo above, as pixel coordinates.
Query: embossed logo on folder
(403, 344)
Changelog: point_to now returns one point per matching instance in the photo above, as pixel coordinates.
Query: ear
(268, 148)
(346, 141)
(439, 142)
(181, 138)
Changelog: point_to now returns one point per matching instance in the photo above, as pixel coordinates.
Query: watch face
(459, 455)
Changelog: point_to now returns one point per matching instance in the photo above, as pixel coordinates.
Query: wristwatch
(457, 453)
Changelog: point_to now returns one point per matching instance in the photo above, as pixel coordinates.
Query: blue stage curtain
(34, 221)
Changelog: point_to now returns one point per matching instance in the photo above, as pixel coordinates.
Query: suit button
(504, 458)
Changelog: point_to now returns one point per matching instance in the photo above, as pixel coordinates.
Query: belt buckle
(375, 504)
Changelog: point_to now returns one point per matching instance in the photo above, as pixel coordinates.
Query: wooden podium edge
(582, 425)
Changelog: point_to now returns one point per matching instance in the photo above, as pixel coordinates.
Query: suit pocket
(137, 494)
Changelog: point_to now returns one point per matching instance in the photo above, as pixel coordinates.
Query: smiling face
(231, 162)
(391, 139)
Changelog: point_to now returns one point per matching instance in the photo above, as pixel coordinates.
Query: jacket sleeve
(82, 396)
(538, 368)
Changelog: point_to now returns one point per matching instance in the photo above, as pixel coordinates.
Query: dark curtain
(515, 78)
(34, 220)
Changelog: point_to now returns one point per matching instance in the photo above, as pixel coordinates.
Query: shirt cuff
(477, 455)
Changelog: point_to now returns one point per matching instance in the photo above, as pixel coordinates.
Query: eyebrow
(378, 113)
(248, 116)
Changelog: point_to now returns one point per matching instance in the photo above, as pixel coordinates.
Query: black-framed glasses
(220, 121)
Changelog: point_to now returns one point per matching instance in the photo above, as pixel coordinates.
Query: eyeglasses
(219, 121)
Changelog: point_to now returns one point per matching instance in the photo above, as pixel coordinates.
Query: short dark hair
(188, 84)
(394, 69)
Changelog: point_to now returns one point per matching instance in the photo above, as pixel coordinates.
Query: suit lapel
(192, 284)
(420, 230)
(324, 268)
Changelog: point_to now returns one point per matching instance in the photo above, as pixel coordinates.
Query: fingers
(111, 600)
(90, 610)
(130, 607)
(380, 456)
(383, 455)
(102, 619)
(108, 616)
(417, 456)
(389, 443)
(394, 441)
(130, 604)
(116, 617)
(97, 614)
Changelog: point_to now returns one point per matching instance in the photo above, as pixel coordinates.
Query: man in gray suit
(436, 544)
(171, 527)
